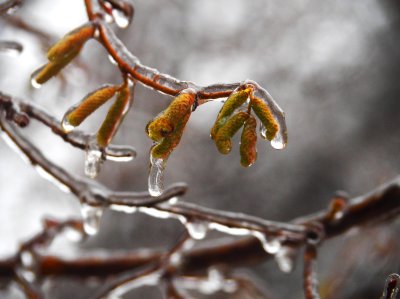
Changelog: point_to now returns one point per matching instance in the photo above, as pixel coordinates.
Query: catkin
(114, 116)
(248, 141)
(234, 101)
(263, 112)
(226, 132)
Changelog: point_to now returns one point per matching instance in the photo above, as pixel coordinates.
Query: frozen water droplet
(34, 83)
(66, 125)
(285, 259)
(93, 159)
(197, 229)
(120, 18)
(73, 234)
(271, 246)
(91, 218)
(112, 60)
(156, 176)
(278, 142)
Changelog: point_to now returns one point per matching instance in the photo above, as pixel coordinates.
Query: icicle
(285, 258)
(91, 218)
(197, 229)
(93, 159)
(270, 246)
(120, 18)
(156, 176)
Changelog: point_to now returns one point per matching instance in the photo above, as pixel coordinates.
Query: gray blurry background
(333, 66)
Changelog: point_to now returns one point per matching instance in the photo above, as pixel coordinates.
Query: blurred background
(334, 67)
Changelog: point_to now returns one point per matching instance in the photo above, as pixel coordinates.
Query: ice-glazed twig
(310, 272)
(160, 268)
(9, 5)
(392, 287)
(28, 258)
(10, 48)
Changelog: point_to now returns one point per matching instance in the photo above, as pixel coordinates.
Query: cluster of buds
(167, 128)
(91, 102)
(63, 52)
(233, 116)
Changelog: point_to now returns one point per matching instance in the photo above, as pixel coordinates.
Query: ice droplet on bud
(271, 246)
(277, 142)
(197, 229)
(91, 218)
(156, 176)
(66, 125)
(34, 83)
(120, 18)
(93, 159)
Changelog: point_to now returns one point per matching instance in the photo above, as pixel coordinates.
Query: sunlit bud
(248, 141)
(234, 101)
(264, 114)
(71, 42)
(78, 113)
(226, 132)
(114, 116)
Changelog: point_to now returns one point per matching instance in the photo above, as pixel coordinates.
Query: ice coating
(197, 229)
(280, 139)
(271, 246)
(46, 175)
(34, 83)
(120, 18)
(148, 73)
(285, 259)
